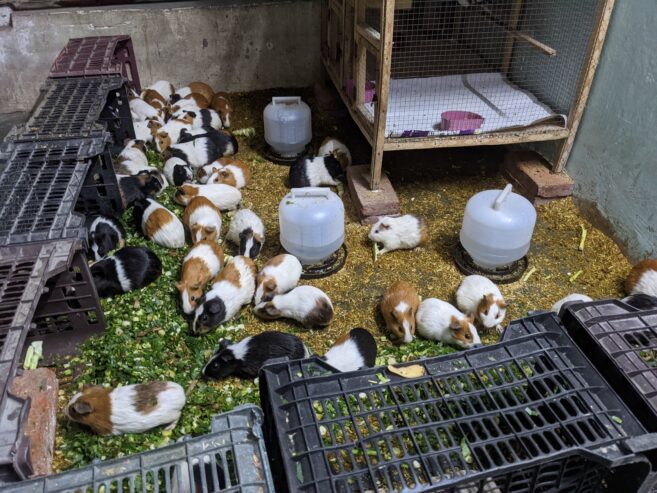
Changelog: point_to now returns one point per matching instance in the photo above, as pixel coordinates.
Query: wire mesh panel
(470, 66)
(529, 414)
(230, 459)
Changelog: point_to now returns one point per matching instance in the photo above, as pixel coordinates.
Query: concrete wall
(614, 161)
(241, 46)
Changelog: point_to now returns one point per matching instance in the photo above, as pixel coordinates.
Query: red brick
(371, 203)
(42, 387)
(533, 174)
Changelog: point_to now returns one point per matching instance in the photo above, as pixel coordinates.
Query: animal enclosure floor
(147, 338)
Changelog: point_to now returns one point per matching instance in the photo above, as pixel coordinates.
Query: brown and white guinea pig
(353, 351)
(163, 87)
(105, 234)
(158, 224)
(194, 87)
(438, 320)
(247, 232)
(178, 172)
(308, 305)
(334, 147)
(202, 149)
(203, 220)
(147, 183)
(232, 288)
(480, 297)
(395, 233)
(224, 197)
(399, 306)
(193, 101)
(643, 278)
(221, 105)
(235, 174)
(140, 110)
(155, 99)
(321, 171)
(201, 264)
(128, 409)
(128, 269)
(279, 275)
(134, 150)
(245, 358)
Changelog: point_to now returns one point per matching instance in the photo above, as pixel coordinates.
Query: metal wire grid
(344, 434)
(444, 38)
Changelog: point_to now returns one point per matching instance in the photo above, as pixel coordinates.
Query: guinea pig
(178, 172)
(641, 301)
(232, 288)
(235, 174)
(170, 133)
(307, 305)
(643, 278)
(395, 233)
(222, 106)
(571, 298)
(279, 275)
(192, 101)
(144, 184)
(142, 131)
(224, 197)
(127, 409)
(128, 269)
(437, 320)
(163, 87)
(203, 173)
(203, 89)
(140, 110)
(353, 351)
(247, 232)
(203, 220)
(135, 150)
(333, 147)
(205, 118)
(399, 307)
(155, 99)
(203, 262)
(315, 172)
(158, 224)
(480, 297)
(105, 234)
(245, 358)
(203, 148)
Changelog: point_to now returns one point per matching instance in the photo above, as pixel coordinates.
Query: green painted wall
(614, 160)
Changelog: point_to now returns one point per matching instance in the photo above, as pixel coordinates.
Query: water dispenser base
(330, 266)
(274, 157)
(502, 275)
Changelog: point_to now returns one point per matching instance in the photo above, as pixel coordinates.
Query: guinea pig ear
(454, 323)
(224, 343)
(192, 114)
(212, 308)
(82, 407)
(384, 226)
(502, 304)
(210, 229)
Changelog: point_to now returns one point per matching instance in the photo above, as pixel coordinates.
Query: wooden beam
(535, 133)
(510, 40)
(382, 91)
(576, 112)
(371, 36)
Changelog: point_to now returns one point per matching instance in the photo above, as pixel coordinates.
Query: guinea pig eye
(486, 312)
(193, 298)
(468, 336)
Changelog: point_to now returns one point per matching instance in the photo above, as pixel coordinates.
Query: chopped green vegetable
(616, 419)
(531, 412)
(245, 132)
(529, 274)
(382, 378)
(465, 450)
(574, 277)
(299, 473)
(375, 251)
(33, 355)
(583, 238)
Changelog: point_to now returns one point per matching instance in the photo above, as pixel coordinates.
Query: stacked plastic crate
(55, 170)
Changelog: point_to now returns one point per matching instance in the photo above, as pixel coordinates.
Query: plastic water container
(288, 125)
(497, 227)
(311, 224)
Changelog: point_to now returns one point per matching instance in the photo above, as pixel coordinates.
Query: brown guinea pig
(642, 279)
(399, 306)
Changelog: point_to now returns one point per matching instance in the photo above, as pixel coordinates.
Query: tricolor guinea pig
(128, 409)
(221, 105)
(178, 172)
(245, 358)
(278, 276)
(334, 147)
(234, 173)
(247, 232)
(158, 224)
(308, 305)
(105, 234)
(643, 278)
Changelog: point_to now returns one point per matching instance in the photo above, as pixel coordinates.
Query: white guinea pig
(480, 297)
(439, 321)
(571, 298)
(129, 409)
(396, 233)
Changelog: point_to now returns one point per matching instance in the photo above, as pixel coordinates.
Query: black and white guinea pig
(105, 234)
(199, 149)
(247, 232)
(147, 183)
(352, 351)
(178, 171)
(128, 269)
(641, 301)
(245, 358)
(321, 171)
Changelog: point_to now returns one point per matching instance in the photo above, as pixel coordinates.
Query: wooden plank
(575, 115)
(371, 36)
(510, 40)
(536, 133)
(360, 62)
(382, 91)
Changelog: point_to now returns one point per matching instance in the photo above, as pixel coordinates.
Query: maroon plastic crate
(98, 55)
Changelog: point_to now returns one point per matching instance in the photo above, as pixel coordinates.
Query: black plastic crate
(79, 107)
(526, 415)
(98, 55)
(100, 192)
(622, 343)
(230, 459)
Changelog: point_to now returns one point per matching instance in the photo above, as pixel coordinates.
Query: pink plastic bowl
(370, 89)
(460, 121)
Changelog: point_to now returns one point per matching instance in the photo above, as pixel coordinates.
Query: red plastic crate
(98, 55)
